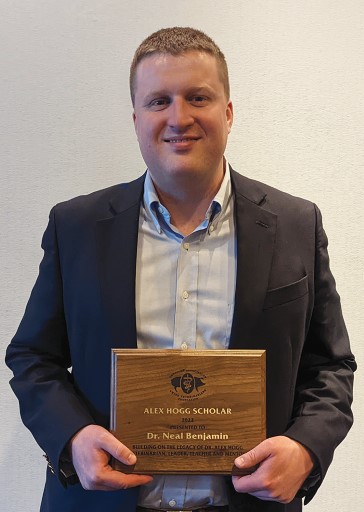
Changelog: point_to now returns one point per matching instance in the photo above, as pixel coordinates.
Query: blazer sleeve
(322, 413)
(39, 357)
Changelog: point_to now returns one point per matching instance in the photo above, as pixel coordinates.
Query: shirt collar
(159, 213)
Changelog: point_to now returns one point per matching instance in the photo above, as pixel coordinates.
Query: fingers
(254, 483)
(284, 465)
(111, 480)
(91, 449)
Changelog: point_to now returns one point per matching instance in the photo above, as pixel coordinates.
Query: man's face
(182, 117)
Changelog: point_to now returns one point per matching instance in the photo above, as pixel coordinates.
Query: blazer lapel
(116, 242)
(255, 232)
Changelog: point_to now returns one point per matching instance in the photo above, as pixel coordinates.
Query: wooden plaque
(187, 411)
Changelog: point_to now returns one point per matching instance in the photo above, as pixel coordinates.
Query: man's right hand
(91, 448)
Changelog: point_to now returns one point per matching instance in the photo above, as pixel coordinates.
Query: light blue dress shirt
(185, 289)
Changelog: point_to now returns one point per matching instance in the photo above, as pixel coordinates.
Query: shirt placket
(173, 495)
(186, 293)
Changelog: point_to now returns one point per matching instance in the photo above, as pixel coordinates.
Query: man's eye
(198, 100)
(159, 103)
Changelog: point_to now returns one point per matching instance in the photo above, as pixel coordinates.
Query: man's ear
(229, 115)
(135, 124)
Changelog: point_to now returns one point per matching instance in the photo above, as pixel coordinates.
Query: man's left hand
(283, 466)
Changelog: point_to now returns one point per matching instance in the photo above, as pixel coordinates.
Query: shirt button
(186, 246)
(172, 503)
(185, 295)
(184, 346)
(211, 228)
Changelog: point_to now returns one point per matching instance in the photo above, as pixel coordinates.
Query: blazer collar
(128, 195)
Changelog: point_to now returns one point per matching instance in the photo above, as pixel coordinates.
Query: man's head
(176, 41)
(182, 111)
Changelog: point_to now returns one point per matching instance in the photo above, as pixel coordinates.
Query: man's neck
(187, 205)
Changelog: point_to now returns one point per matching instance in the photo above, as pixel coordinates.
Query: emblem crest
(187, 383)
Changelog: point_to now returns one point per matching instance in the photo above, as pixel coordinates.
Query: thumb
(252, 459)
(118, 450)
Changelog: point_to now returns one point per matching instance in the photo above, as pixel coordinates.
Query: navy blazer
(83, 305)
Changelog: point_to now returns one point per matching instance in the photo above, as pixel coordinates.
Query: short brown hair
(174, 41)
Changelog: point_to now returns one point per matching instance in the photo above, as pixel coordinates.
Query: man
(190, 255)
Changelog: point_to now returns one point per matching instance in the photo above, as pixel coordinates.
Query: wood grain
(187, 411)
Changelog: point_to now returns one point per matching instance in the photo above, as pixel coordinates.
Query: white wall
(297, 74)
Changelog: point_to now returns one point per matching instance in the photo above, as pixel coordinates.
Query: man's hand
(91, 448)
(284, 464)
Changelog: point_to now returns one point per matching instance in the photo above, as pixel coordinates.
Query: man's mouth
(177, 140)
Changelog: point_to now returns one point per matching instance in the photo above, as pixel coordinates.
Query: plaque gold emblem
(187, 411)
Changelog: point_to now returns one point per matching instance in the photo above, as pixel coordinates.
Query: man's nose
(179, 114)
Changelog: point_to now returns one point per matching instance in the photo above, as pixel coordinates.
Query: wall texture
(297, 75)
